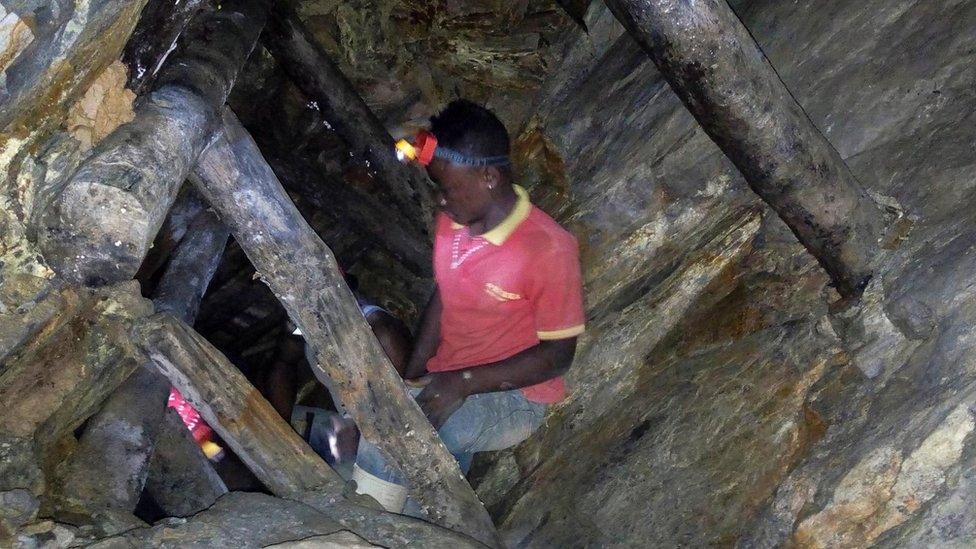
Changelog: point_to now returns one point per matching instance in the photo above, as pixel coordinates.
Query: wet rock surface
(242, 519)
(761, 417)
(236, 520)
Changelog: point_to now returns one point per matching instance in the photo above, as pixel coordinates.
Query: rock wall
(717, 399)
(51, 55)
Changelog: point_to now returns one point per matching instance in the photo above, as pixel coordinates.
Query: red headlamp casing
(420, 151)
(425, 143)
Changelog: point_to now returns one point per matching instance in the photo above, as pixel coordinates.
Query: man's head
(468, 192)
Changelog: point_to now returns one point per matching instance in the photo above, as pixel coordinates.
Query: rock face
(51, 55)
(242, 519)
(748, 413)
(53, 50)
(105, 106)
(236, 520)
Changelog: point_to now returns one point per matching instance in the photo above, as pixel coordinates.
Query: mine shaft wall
(715, 398)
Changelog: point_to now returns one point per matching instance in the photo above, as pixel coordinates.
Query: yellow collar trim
(501, 232)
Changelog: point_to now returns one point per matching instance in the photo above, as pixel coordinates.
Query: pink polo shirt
(505, 290)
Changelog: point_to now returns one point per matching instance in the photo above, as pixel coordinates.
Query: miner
(500, 328)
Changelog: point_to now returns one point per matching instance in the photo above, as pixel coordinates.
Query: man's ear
(491, 176)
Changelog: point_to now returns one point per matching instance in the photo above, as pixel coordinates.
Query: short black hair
(470, 129)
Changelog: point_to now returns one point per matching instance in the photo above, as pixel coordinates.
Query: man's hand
(443, 394)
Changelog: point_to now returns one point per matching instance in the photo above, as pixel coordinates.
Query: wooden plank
(272, 450)
(712, 62)
(99, 228)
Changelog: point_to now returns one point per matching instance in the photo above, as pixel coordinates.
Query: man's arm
(444, 392)
(428, 338)
(393, 337)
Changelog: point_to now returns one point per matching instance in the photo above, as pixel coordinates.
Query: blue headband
(456, 157)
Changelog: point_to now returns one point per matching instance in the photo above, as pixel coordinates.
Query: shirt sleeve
(557, 295)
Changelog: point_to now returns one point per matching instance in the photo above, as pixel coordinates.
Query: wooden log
(314, 72)
(712, 62)
(98, 230)
(109, 467)
(280, 459)
(272, 450)
(193, 265)
(300, 269)
(181, 480)
(154, 38)
(185, 209)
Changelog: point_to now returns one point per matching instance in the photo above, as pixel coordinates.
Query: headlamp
(424, 149)
(420, 151)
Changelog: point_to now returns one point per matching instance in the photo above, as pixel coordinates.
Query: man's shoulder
(543, 232)
(442, 223)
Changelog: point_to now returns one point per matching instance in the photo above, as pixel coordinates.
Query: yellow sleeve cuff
(561, 334)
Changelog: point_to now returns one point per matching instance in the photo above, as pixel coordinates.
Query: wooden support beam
(188, 274)
(279, 458)
(108, 468)
(100, 227)
(153, 39)
(712, 62)
(181, 480)
(185, 209)
(309, 66)
(272, 450)
(300, 269)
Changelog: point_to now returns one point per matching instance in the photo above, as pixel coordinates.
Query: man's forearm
(545, 361)
(428, 338)
(444, 392)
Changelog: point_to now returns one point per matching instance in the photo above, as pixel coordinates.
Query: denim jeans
(485, 422)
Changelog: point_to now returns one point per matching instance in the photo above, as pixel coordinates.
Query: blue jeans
(485, 422)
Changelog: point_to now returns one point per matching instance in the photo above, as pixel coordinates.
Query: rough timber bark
(184, 210)
(320, 79)
(300, 269)
(235, 409)
(100, 227)
(108, 468)
(181, 480)
(712, 62)
(194, 263)
(155, 36)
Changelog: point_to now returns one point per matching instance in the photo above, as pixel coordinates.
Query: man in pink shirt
(501, 327)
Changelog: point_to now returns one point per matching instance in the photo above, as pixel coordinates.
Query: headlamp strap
(428, 149)
(456, 157)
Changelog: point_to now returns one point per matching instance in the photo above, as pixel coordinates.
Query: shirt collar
(503, 230)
